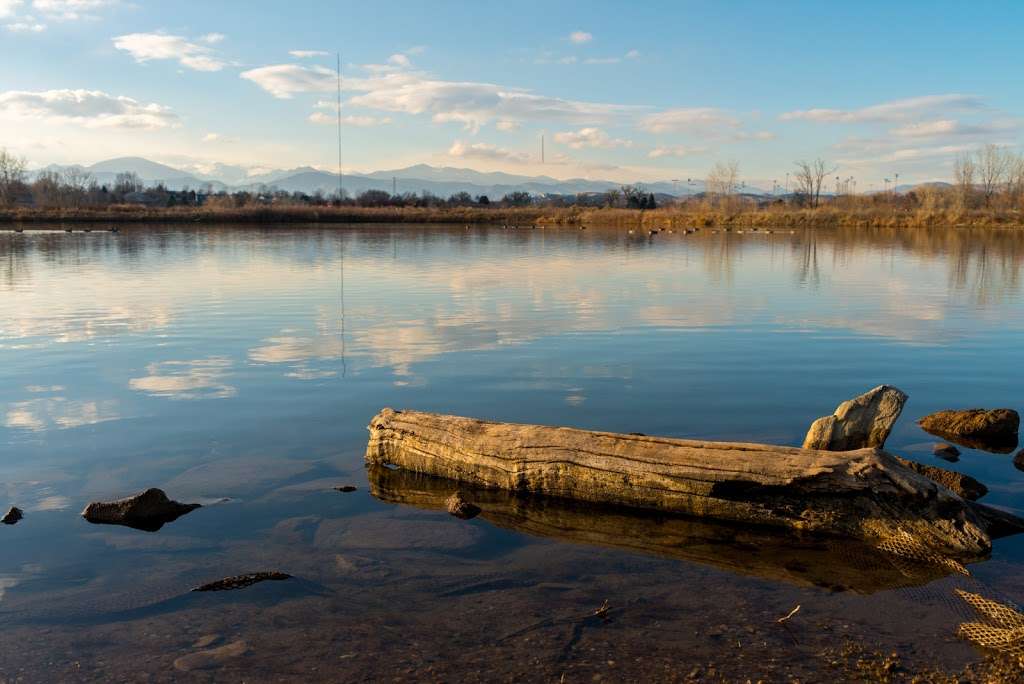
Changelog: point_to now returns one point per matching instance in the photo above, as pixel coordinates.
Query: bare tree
(12, 175)
(722, 179)
(810, 176)
(993, 165)
(1015, 180)
(963, 177)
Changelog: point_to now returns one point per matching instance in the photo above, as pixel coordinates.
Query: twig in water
(789, 614)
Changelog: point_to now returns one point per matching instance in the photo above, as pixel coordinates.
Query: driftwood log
(864, 494)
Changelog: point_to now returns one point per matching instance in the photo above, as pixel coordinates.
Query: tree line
(991, 177)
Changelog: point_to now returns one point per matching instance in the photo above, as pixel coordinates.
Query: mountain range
(442, 181)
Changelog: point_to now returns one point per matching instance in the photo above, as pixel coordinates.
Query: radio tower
(341, 184)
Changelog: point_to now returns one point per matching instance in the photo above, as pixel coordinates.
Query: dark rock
(946, 452)
(345, 488)
(965, 486)
(12, 516)
(1018, 460)
(994, 430)
(460, 508)
(242, 581)
(149, 510)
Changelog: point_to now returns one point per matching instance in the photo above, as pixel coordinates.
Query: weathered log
(865, 494)
(768, 553)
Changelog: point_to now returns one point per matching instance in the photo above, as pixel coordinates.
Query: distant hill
(442, 181)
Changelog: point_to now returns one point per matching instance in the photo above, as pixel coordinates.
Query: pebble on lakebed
(12, 516)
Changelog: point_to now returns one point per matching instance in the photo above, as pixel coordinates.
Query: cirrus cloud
(351, 120)
(887, 112)
(580, 37)
(487, 152)
(89, 108)
(688, 119)
(590, 137)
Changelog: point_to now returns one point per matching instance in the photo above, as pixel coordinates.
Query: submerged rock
(994, 430)
(149, 510)
(858, 423)
(946, 452)
(345, 488)
(12, 516)
(460, 508)
(1018, 460)
(213, 657)
(242, 581)
(963, 485)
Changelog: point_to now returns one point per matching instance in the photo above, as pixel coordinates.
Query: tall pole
(341, 181)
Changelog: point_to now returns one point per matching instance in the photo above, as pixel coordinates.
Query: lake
(238, 368)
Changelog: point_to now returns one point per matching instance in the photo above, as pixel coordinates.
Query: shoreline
(669, 218)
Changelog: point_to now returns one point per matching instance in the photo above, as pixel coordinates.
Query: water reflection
(838, 565)
(196, 379)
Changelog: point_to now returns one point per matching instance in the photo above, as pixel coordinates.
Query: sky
(656, 91)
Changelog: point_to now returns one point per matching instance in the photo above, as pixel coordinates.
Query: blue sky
(658, 91)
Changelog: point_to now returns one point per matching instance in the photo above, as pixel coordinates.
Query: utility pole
(541, 148)
(394, 186)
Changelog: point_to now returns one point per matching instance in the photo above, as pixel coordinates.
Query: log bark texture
(865, 494)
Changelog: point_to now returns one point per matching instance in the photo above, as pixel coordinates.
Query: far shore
(652, 219)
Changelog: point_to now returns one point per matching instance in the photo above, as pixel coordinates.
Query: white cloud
(602, 60)
(633, 54)
(212, 137)
(352, 120)
(487, 152)
(688, 120)
(285, 80)
(26, 24)
(894, 111)
(89, 108)
(580, 37)
(69, 10)
(675, 151)
(473, 104)
(308, 54)
(212, 38)
(7, 7)
(508, 125)
(400, 60)
(590, 137)
(144, 47)
(46, 10)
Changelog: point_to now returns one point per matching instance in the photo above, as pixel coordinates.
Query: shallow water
(238, 367)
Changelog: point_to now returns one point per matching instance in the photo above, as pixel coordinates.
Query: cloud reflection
(195, 379)
(60, 413)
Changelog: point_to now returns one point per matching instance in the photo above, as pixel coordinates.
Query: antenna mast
(541, 148)
(341, 187)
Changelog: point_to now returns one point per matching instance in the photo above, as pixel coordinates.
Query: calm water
(239, 368)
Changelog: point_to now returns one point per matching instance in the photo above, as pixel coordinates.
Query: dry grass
(787, 217)
(273, 214)
(691, 215)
